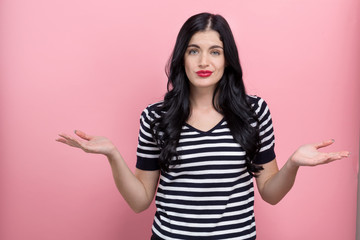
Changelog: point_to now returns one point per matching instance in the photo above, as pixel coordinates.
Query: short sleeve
(267, 139)
(147, 151)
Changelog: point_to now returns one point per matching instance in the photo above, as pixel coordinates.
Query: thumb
(83, 135)
(324, 143)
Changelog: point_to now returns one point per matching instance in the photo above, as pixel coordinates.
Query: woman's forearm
(274, 184)
(279, 184)
(137, 190)
(131, 188)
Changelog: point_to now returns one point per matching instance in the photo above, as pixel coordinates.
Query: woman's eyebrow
(197, 46)
(193, 45)
(216, 46)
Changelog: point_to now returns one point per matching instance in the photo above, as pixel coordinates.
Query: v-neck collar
(208, 131)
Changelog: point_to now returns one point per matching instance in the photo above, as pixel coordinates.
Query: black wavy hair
(231, 100)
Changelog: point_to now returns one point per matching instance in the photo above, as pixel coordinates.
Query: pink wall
(76, 64)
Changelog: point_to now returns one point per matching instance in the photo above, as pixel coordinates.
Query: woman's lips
(204, 73)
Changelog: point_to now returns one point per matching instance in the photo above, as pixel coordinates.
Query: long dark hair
(231, 100)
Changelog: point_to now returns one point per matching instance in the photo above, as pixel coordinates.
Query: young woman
(205, 141)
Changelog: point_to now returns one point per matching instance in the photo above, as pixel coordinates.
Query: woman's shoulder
(258, 104)
(155, 106)
(255, 100)
(153, 110)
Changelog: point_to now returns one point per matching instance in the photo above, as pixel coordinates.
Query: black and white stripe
(209, 194)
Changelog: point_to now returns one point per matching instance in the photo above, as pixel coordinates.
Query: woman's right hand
(137, 189)
(90, 144)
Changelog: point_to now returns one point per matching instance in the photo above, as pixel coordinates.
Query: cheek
(188, 67)
(187, 70)
(220, 66)
(220, 70)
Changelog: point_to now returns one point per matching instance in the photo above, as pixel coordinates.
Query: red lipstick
(204, 73)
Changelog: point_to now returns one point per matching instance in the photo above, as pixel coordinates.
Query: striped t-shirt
(210, 194)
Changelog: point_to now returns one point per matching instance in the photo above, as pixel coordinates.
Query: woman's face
(204, 59)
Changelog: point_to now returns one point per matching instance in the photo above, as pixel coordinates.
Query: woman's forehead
(208, 37)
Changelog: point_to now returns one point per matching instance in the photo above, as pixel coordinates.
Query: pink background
(95, 65)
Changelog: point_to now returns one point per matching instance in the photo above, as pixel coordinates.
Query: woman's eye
(215, 53)
(193, 51)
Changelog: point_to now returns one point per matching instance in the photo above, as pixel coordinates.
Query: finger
(332, 156)
(65, 141)
(324, 143)
(83, 135)
(64, 135)
(343, 154)
(60, 140)
(70, 140)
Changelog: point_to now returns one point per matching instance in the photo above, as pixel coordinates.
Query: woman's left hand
(308, 155)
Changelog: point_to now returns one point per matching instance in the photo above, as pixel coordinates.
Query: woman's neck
(201, 99)
(203, 115)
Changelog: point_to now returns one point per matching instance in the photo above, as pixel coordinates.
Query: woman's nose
(203, 61)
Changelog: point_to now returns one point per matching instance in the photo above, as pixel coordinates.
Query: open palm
(309, 154)
(90, 144)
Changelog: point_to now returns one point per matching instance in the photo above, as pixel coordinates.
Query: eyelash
(194, 51)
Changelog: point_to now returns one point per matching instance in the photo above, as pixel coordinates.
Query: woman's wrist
(292, 164)
(113, 154)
